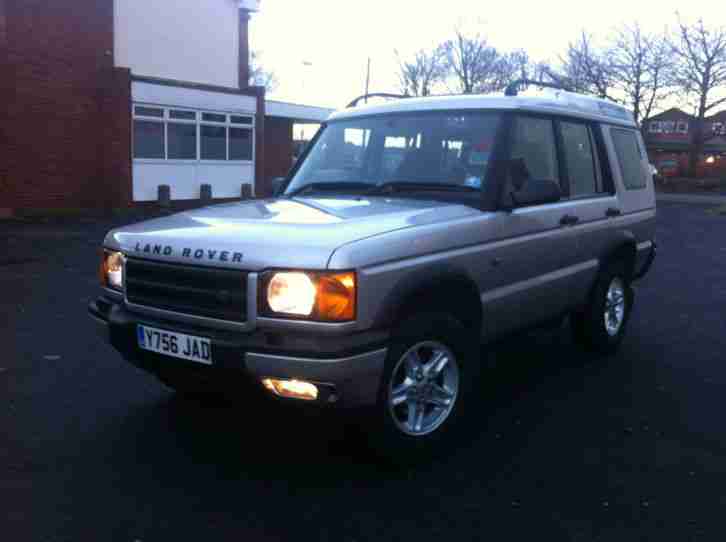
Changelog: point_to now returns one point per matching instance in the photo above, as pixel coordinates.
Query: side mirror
(277, 184)
(537, 192)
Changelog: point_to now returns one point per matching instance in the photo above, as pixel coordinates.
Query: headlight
(327, 297)
(112, 270)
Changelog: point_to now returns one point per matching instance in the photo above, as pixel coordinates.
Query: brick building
(669, 136)
(108, 99)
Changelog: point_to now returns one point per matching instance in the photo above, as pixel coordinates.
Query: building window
(718, 128)
(240, 143)
(655, 127)
(182, 141)
(162, 133)
(153, 112)
(148, 139)
(668, 126)
(682, 127)
(213, 141)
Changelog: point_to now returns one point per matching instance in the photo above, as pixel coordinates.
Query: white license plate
(178, 345)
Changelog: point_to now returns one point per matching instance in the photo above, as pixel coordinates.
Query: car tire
(601, 325)
(435, 391)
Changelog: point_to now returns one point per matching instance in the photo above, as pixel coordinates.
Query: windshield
(443, 149)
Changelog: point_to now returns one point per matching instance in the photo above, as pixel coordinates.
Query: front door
(534, 260)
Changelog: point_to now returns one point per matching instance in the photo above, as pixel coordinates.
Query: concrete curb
(691, 198)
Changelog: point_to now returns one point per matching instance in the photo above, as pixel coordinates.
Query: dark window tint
(629, 158)
(148, 139)
(213, 142)
(235, 119)
(182, 141)
(214, 117)
(533, 141)
(182, 115)
(240, 144)
(579, 158)
(149, 112)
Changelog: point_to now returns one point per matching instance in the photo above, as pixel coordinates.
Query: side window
(629, 158)
(577, 147)
(533, 141)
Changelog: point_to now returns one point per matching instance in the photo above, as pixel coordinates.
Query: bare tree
(509, 68)
(259, 76)
(471, 61)
(420, 74)
(700, 72)
(585, 69)
(641, 65)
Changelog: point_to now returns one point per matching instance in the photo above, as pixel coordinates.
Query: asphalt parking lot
(565, 446)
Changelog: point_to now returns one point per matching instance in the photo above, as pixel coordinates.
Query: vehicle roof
(556, 102)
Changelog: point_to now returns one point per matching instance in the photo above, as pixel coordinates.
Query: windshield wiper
(401, 186)
(331, 185)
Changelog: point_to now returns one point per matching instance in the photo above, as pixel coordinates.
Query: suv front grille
(197, 291)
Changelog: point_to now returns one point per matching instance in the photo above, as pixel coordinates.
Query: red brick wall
(278, 149)
(66, 100)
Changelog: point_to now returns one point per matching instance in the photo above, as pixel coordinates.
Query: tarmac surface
(564, 446)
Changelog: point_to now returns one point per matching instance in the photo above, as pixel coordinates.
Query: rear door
(591, 194)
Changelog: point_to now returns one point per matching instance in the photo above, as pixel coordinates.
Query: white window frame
(656, 127)
(717, 128)
(682, 127)
(166, 119)
(669, 126)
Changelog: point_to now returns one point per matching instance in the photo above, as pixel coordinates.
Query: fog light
(294, 389)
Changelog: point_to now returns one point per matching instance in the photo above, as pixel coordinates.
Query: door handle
(612, 212)
(569, 220)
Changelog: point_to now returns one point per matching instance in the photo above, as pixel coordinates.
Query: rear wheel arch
(625, 253)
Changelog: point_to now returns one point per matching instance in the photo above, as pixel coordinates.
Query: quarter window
(579, 158)
(533, 142)
(629, 156)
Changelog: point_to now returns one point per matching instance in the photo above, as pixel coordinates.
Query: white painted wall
(185, 178)
(187, 40)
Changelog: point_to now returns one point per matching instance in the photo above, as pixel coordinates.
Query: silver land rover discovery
(409, 234)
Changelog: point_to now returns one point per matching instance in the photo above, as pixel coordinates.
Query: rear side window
(579, 157)
(533, 141)
(629, 158)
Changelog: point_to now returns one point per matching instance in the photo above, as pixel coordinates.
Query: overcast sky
(337, 36)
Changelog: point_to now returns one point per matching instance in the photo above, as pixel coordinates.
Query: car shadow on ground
(263, 439)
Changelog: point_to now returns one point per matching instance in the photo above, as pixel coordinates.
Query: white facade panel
(186, 40)
(150, 93)
(185, 179)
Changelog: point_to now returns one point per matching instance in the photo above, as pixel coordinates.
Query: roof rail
(513, 87)
(375, 95)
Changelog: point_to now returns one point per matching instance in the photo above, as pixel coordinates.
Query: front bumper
(347, 367)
